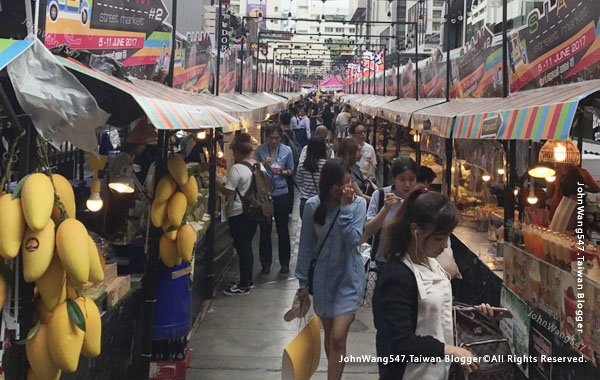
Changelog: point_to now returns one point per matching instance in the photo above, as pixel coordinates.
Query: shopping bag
(372, 273)
(302, 355)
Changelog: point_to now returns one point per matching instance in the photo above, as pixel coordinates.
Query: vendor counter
(481, 271)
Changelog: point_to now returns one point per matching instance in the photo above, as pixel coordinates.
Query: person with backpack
(279, 162)
(330, 265)
(309, 170)
(383, 208)
(240, 216)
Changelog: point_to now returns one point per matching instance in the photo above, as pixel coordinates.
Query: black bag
(313, 262)
(257, 203)
(371, 266)
(478, 334)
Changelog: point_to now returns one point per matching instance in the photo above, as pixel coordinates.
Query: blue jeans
(382, 340)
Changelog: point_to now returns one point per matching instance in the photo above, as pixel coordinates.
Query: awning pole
(212, 202)
(171, 74)
(384, 82)
(241, 88)
(219, 47)
(511, 176)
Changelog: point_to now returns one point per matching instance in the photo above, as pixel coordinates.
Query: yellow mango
(164, 189)
(158, 213)
(186, 239)
(12, 226)
(37, 250)
(92, 340)
(38, 355)
(167, 250)
(52, 285)
(37, 200)
(43, 314)
(66, 338)
(171, 235)
(67, 197)
(72, 245)
(3, 290)
(96, 268)
(176, 209)
(177, 169)
(190, 190)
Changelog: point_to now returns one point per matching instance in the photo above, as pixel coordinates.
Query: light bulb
(219, 154)
(532, 199)
(94, 203)
(501, 171)
(516, 192)
(417, 137)
(551, 178)
(201, 135)
(486, 177)
(560, 152)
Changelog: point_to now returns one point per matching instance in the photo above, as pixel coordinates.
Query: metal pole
(212, 202)
(448, 66)
(417, 60)
(241, 90)
(384, 82)
(398, 79)
(274, 71)
(257, 63)
(505, 79)
(448, 174)
(219, 47)
(171, 73)
(510, 149)
(266, 66)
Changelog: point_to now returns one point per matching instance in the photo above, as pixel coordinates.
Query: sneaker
(237, 283)
(285, 270)
(266, 271)
(234, 290)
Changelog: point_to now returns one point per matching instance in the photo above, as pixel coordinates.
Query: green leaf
(30, 335)
(172, 228)
(17, 193)
(75, 314)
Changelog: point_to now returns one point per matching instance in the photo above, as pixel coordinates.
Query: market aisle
(243, 337)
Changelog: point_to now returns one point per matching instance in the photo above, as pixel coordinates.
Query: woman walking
(332, 226)
(415, 293)
(309, 170)
(348, 151)
(239, 179)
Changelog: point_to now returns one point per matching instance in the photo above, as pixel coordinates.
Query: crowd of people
(320, 148)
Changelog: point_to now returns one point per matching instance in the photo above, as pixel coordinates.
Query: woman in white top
(309, 169)
(239, 178)
(415, 293)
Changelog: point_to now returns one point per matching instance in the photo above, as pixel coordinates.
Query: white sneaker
(237, 283)
(234, 290)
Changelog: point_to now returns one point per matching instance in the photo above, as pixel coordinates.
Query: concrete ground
(242, 338)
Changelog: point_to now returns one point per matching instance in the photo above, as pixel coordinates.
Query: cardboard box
(117, 289)
(110, 272)
(170, 370)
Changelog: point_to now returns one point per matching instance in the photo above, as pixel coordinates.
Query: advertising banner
(559, 44)
(516, 329)
(257, 8)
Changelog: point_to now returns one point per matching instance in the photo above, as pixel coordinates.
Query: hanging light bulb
(516, 192)
(531, 198)
(560, 152)
(201, 135)
(219, 154)
(541, 171)
(417, 137)
(501, 171)
(551, 178)
(95, 203)
(486, 177)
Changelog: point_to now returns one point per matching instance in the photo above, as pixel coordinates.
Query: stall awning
(165, 107)
(541, 114)
(11, 49)
(400, 111)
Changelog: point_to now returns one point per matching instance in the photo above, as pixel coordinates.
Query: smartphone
(499, 312)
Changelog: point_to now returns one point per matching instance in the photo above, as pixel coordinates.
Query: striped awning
(541, 114)
(11, 49)
(401, 110)
(165, 107)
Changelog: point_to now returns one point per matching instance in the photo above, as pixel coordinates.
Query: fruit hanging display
(175, 193)
(59, 255)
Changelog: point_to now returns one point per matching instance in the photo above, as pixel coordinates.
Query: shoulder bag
(313, 262)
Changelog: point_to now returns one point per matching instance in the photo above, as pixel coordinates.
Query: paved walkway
(244, 337)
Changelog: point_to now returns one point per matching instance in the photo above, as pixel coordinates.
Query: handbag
(371, 265)
(302, 355)
(477, 333)
(313, 262)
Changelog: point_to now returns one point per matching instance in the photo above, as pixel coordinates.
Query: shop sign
(298, 62)
(283, 62)
(490, 127)
(123, 15)
(316, 63)
(276, 35)
(596, 125)
(225, 32)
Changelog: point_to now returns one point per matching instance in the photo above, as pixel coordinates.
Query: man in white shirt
(342, 122)
(368, 157)
(301, 127)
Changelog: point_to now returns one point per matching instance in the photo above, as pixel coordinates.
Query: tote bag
(302, 355)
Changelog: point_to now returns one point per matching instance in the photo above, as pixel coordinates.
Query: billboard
(257, 8)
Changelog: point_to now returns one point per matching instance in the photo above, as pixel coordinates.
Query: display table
(482, 272)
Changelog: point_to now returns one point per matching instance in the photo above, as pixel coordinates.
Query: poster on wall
(134, 34)
(559, 43)
(516, 329)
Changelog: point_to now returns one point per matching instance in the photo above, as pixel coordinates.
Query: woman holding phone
(332, 226)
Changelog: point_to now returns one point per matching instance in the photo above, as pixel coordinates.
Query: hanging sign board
(490, 127)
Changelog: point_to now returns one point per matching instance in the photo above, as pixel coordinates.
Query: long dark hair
(428, 210)
(347, 149)
(333, 173)
(316, 150)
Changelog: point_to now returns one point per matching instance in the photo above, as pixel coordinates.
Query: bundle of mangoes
(38, 221)
(174, 193)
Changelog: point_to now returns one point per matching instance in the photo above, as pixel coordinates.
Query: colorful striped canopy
(165, 107)
(11, 49)
(401, 110)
